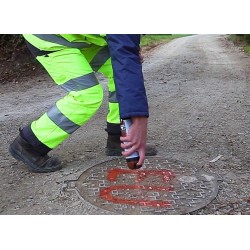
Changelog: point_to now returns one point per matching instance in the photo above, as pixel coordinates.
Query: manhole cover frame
(73, 185)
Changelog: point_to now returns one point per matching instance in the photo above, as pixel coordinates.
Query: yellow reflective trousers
(72, 61)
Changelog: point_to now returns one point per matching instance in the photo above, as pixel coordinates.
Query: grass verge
(240, 41)
(154, 40)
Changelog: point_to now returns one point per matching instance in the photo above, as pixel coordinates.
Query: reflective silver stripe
(61, 120)
(112, 97)
(80, 83)
(62, 41)
(100, 58)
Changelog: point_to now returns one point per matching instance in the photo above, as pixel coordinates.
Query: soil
(198, 91)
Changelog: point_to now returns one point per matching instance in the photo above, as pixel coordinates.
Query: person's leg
(113, 147)
(70, 70)
(100, 61)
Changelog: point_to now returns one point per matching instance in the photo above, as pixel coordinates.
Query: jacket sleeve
(128, 76)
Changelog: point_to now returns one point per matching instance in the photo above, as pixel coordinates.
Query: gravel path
(198, 91)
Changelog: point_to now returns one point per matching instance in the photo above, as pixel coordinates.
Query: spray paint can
(132, 159)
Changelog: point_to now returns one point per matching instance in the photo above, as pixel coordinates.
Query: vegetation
(242, 40)
(151, 40)
(8, 39)
(10, 46)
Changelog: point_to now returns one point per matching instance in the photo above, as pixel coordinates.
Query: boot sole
(32, 169)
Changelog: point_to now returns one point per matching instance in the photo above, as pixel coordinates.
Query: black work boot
(21, 150)
(113, 147)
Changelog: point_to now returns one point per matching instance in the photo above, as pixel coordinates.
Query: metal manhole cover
(159, 187)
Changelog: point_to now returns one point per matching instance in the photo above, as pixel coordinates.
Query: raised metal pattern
(159, 187)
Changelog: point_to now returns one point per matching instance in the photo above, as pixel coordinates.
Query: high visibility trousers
(74, 69)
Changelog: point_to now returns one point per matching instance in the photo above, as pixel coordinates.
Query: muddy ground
(199, 96)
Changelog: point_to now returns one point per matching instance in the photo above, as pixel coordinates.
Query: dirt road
(198, 90)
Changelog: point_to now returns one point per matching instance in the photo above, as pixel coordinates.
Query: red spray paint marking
(141, 175)
(105, 194)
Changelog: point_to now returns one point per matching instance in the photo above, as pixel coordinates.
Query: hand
(136, 138)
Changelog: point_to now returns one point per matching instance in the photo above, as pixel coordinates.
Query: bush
(10, 40)
(10, 45)
(247, 37)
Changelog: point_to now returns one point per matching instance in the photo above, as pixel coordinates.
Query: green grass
(246, 49)
(241, 41)
(148, 40)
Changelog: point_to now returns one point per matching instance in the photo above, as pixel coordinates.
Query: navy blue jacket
(128, 76)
